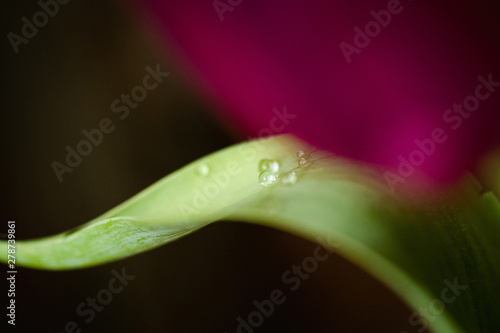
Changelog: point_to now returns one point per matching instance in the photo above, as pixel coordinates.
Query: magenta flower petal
(370, 104)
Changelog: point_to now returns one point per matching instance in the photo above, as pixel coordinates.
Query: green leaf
(440, 255)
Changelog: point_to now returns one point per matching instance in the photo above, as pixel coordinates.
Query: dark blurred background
(63, 81)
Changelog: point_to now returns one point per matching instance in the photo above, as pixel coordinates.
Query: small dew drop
(202, 170)
(267, 178)
(302, 161)
(300, 153)
(289, 178)
(269, 165)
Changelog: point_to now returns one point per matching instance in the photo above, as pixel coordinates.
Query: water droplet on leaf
(289, 178)
(202, 170)
(267, 178)
(303, 161)
(269, 165)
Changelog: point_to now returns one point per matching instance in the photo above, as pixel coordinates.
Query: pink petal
(266, 55)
